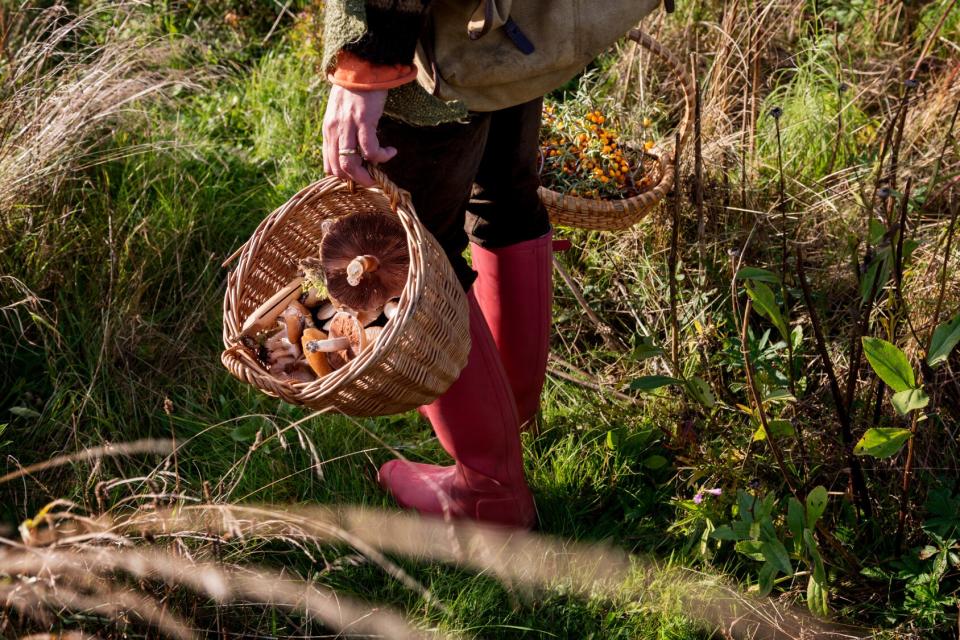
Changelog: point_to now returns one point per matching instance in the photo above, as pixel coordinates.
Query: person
(446, 97)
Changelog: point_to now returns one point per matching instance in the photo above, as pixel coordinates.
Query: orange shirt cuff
(354, 73)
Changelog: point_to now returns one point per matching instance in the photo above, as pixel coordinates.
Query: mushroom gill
(365, 260)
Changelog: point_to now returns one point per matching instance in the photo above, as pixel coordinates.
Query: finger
(329, 147)
(354, 168)
(370, 145)
(346, 164)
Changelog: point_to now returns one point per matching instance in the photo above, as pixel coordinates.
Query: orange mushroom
(316, 346)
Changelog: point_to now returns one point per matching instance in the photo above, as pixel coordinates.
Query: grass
(111, 303)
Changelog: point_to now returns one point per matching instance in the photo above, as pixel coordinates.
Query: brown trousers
(472, 182)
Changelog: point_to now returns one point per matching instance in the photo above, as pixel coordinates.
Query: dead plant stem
(858, 484)
(673, 259)
(758, 404)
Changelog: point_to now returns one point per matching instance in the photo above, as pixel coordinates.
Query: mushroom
(316, 345)
(300, 372)
(326, 311)
(367, 317)
(346, 326)
(312, 298)
(296, 317)
(264, 316)
(281, 353)
(372, 333)
(391, 307)
(365, 260)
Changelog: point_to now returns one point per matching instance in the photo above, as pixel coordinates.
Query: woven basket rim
(399, 203)
(663, 152)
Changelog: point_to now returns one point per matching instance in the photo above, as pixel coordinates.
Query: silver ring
(348, 152)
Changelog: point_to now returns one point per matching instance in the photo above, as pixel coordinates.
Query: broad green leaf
(745, 505)
(945, 338)
(779, 395)
(765, 579)
(646, 350)
(652, 383)
(753, 549)
(906, 401)
(878, 273)
(909, 246)
(890, 364)
(881, 442)
(742, 529)
(774, 551)
(758, 274)
(795, 519)
(700, 391)
(655, 462)
(613, 439)
(724, 532)
(811, 543)
(779, 429)
(816, 505)
(24, 412)
(817, 598)
(766, 305)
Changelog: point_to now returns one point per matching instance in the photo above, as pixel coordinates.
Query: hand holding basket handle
(350, 134)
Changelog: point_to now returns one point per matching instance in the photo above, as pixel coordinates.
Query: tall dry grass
(132, 567)
(64, 88)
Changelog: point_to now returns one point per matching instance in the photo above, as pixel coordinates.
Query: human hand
(350, 123)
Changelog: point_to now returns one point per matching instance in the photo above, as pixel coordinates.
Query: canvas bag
(499, 53)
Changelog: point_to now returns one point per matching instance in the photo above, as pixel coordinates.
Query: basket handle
(679, 72)
(394, 193)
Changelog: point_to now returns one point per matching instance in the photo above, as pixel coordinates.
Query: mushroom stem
(359, 266)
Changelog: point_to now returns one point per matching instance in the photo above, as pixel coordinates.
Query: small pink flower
(697, 499)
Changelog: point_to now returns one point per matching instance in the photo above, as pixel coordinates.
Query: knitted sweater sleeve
(380, 32)
(393, 28)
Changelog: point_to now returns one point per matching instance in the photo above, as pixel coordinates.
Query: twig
(905, 485)
(954, 207)
(94, 453)
(698, 178)
(838, 138)
(782, 207)
(673, 259)
(758, 403)
(605, 330)
(933, 36)
(943, 149)
(898, 263)
(857, 480)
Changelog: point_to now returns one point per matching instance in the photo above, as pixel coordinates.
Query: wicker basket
(421, 350)
(611, 215)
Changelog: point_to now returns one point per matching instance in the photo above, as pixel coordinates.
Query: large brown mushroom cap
(365, 260)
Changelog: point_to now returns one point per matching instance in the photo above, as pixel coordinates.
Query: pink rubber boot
(476, 423)
(515, 291)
